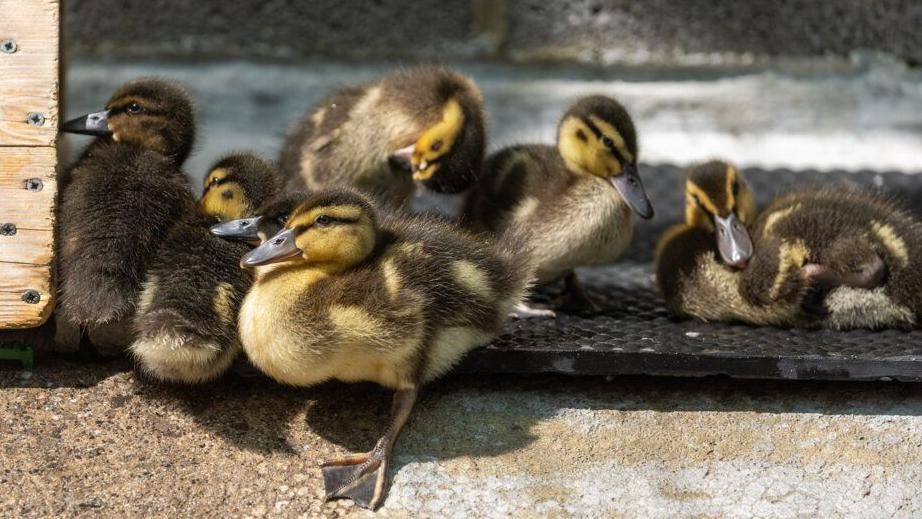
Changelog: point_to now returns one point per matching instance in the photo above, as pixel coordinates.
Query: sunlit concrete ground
(90, 440)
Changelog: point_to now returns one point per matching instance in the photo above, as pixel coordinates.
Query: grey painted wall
(594, 31)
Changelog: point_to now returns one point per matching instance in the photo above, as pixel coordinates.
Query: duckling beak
(403, 158)
(244, 229)
(89, 124)
(733, 241)
(631, 190)
(277, 248)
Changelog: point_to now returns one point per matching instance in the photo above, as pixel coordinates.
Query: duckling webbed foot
(525, 311)
(363, 477)
(577, 298)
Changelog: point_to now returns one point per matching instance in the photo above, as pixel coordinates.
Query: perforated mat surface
(635, 334)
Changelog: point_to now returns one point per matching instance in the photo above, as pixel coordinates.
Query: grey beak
(733, 241)
(277, 248)
(244, 229)
(402, 158)
(89, 124)
(631, 189)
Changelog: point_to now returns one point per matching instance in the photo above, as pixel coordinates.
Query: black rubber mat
(635, 334)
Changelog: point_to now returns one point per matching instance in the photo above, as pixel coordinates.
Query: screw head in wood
(8, 46)
(31, 296)
(34, 184)
(8, 229)
(36, 118)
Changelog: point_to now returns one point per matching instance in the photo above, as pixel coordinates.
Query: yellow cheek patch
(437, 141)
(694, 215)
(892, 241)
(472, 278)
(609, 131)
(225, 202)
(582, 151)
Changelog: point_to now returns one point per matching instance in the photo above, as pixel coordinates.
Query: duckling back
(120, 200)
(864, 246)
(348, 140)
(185, 325)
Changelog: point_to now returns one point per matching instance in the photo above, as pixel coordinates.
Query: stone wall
(593, 31)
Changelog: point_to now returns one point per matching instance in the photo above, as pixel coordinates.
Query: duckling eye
(736, 188)
(607, 142)
(134, 108)
(214, 180)
(282, 220)
(323, 220)
(437, 145)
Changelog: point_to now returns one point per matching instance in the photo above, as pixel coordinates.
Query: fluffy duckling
(120, 198)
(186, 322)
(698, 262)
(341, 293)
(423, 124)
(858, 249)
(573, 203)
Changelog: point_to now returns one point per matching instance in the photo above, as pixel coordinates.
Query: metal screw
(36, 119)
(31, 296)
(34, 184)
(8, 46)
(8, 229)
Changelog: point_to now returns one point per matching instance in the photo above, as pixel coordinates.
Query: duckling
(423, 124)
(860, 250)
(573, 203)
(698, 263)
(120, 197)
(345, 293)
(815, 258)
(186, 321)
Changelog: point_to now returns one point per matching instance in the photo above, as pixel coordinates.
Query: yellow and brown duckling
(344, 293)
(186, 322)
(699, 263)
(573, 203)
(859, 251)
(120, 198)
(422, 124)
(814, 258)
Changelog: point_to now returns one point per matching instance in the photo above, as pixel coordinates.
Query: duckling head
(596, 137)
(447, 156)
(236, 186)
(150, 113)
(271, 217)
(329, 230)
(718, 199)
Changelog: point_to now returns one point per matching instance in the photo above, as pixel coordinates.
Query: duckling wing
(119, 204)
(186, 322)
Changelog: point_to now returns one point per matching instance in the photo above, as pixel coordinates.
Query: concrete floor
(90, 440)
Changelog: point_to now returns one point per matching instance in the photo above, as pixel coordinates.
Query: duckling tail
(172, 349)
(514, 247)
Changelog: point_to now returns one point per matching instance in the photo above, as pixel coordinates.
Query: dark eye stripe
(599, 135)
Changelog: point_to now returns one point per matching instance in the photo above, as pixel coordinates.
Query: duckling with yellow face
(419, 125)
(573, 204)
(186, 322)
(120, 198)
(344, 293)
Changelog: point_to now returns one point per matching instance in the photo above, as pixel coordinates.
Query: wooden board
(29, 76)
(29, 84)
